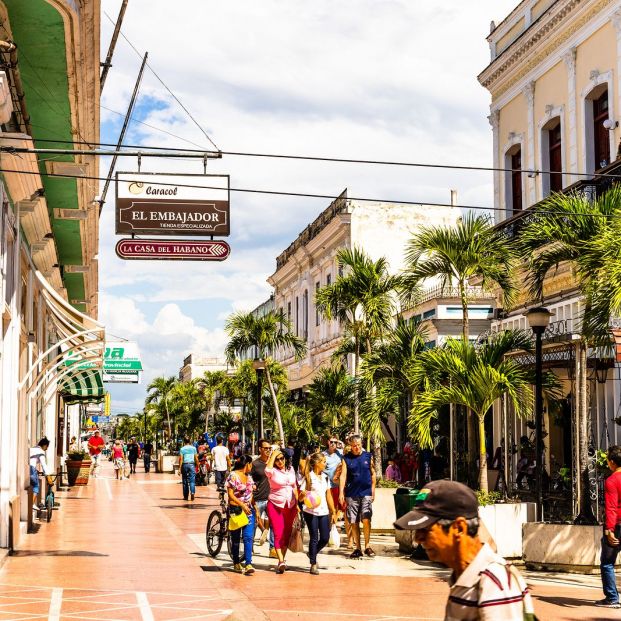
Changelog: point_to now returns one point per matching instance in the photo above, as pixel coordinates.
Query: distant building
(195, 365)
(310, 262)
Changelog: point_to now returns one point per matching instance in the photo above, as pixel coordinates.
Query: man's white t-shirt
(220, 453)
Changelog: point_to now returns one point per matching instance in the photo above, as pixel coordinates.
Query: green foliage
(77, 455)
(331, 398)
(385, 483)
(488, 498)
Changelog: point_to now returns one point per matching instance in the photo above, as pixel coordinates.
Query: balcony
(590, 188)
(438, 292)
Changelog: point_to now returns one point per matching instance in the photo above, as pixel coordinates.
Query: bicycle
(49, 496)
(218, 528)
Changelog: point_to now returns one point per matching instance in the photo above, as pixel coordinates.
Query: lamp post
(258, 364)
(538, 319)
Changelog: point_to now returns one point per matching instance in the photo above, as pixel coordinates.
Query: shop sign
(121, 378)
(160, 204)
(177, 250)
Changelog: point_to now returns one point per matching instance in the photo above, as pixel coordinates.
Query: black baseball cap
(440, 500)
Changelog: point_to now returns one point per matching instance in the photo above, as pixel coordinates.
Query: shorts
(34, 480)
(359, 508)
(335, 498)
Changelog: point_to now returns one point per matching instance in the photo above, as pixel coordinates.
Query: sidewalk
(135, 550)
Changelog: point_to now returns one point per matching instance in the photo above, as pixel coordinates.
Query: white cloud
(393, 80)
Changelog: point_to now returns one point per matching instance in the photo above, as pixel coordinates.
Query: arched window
(552, 156)
(513, 179)
(597, 144)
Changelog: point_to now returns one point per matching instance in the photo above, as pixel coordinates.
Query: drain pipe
(8, 47)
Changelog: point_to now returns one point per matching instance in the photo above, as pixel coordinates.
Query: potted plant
(78, 467)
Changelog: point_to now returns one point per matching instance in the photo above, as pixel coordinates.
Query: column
(494, 121)
(572, 126)
(531, 180)
(616, 22)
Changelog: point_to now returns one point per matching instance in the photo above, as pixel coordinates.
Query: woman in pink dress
(282, 502)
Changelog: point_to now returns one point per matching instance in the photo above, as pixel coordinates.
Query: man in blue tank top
(357, 487)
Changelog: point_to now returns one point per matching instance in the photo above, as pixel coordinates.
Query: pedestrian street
(134, 549)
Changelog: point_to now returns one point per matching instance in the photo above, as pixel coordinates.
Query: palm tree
(331, 396)
(159, 393)
(267, 334)
(586, 234)
(362, 300)
(473, 376)
(472, 249)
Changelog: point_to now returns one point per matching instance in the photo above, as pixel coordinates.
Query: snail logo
(136, 187)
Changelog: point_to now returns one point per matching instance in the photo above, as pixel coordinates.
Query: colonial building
(51, 345)
(196, 365)
(310, 262)
(554, 80)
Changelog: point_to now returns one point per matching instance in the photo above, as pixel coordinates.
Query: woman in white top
(319, 511)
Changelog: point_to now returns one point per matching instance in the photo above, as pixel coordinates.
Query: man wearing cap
(483, 585)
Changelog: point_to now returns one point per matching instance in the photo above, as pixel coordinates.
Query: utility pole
(115, 35)
(128, 115)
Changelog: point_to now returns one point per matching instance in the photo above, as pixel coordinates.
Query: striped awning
(84, 385)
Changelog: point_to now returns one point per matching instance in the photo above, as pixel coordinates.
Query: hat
(440, 500)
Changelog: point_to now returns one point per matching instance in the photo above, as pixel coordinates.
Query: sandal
(369, 552)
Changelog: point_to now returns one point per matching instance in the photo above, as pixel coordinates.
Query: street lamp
(538, 320)
(258, 364)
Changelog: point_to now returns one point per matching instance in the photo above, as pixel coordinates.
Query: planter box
(78, 472)
(504, 521)
(562, 547)
(168, 463)
(383, 510)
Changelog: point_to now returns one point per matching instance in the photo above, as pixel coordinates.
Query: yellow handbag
(238, 521)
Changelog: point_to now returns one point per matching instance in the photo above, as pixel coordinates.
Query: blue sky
(368, 79)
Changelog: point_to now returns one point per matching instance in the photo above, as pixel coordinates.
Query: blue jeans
(318, 532)
(607, 567)
(247, 532)
(34, 480)
(262, 513)
(188, 476)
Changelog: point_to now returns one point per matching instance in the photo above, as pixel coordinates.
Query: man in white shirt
(38, 464)
(221, 461)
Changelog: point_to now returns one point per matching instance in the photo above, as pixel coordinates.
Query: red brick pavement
(121, 550)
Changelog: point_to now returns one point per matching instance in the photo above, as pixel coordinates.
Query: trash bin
(404, 500)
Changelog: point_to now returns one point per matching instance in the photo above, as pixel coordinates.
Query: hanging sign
(177, 250)
(160, 204)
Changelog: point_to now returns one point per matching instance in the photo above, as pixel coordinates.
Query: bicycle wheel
(213, 533)
(49, 505)
(229, 544)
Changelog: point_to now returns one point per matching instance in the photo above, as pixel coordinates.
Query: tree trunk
(356, 413)
(586, 515)
(377, 459)
(464, 311)
(281, 433)
(482, 456)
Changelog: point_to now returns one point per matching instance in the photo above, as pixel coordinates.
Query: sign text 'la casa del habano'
(160, 204)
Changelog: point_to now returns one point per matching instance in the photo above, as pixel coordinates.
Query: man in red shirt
(611, 541)
(95, 444)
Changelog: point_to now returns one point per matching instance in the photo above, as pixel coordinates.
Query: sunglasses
(281, 458)
(333, 442)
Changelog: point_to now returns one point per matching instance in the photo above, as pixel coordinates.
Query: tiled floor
(125, 550)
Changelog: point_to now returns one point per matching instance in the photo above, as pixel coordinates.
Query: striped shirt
(489, 589)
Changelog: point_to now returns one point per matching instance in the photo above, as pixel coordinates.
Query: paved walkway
(125, 550)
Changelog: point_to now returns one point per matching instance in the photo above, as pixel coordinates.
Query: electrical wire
(330, 197)
(164, 84)
(341, 160)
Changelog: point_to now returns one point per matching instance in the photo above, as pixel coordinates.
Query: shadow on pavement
(564, 602)
(56, 553)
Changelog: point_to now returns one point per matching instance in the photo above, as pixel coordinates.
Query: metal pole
(115, 35)
(128, 115)
(116, 153)
(260, 401)
(539, 422)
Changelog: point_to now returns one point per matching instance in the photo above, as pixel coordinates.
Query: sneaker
(605, 603)
(356, 554)
(314, 570)
(273, 553)
(238, 569)
(369, 552)
(280, 568)
(264, 535)
(249, 570)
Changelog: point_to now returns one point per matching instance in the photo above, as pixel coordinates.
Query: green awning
(84, 385)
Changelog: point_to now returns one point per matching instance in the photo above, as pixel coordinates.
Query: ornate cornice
(522, 48)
